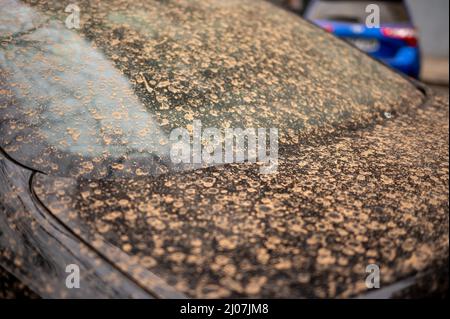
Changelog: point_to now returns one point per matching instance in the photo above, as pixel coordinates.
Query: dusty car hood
(372, 196)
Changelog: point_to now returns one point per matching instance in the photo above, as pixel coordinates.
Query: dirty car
(86, 179)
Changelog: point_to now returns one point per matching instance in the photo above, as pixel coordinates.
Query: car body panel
(36, 248)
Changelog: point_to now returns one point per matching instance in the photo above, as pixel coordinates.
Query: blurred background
(413, 38)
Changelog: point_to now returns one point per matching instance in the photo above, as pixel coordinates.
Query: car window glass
(103, 99)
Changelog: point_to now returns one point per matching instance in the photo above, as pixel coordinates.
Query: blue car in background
(394, 42)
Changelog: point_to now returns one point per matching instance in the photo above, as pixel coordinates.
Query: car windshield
(103, 98)
(355, 11)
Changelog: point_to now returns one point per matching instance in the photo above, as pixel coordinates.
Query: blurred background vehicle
(394, 42)
(432, 26)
